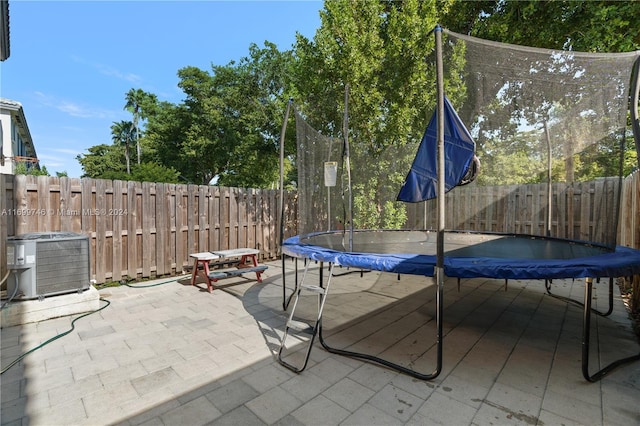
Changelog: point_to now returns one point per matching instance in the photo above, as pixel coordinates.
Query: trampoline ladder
(298, 328)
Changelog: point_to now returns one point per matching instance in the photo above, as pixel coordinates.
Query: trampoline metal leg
(394, 366)
(586, 335)
(547, 284)
(287, 300)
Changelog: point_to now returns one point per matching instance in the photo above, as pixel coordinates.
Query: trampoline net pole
(441, 156)
(345, 131)
(281, 201)
(441, 194)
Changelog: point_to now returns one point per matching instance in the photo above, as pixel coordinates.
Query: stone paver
(175, 354)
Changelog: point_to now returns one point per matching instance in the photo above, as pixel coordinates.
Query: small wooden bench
(246, 263)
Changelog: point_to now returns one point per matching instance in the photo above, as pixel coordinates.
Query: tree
(587, 26)
(106, 162)
(154, 172)
(256, 93)
(140, 104)
(228, 126)
(122, 133)
(102, 160)
(379, 49)
(192, 137)
(598, 26)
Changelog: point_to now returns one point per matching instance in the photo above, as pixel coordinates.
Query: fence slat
(181, 206)
(20, 202)
(203, 223)
(117, 218)
(148, 229)
(232, 238)
(170, 202)
(163, 266)
(225, 218)
(132, 230)
(214, 218)
(101, 229)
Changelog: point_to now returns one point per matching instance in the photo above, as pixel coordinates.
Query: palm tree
(139, 103)
(122, 133)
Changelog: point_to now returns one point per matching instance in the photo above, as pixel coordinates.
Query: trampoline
(471, 255)
(500, 187)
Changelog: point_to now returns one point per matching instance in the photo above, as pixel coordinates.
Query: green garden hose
(21, 357)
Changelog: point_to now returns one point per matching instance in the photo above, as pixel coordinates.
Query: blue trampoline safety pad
(467, 254)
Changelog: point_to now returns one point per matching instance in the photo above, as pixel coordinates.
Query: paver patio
(174, 354)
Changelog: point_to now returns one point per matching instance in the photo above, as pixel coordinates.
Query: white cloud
(110, 71)
(74, 109)
(52, 160)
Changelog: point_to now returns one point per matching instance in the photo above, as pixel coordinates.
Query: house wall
(15, 136)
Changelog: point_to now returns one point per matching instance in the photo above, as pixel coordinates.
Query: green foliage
(103, 160)
(587, 26)
(630, 160)
(596, 26)
(228, 126)
(507, 166)
(154, 172)
(140, 104)
(107, 162)
(123, 133)
(22, 169)
(380, 50)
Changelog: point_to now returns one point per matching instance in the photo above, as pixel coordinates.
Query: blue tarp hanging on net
(421, 181)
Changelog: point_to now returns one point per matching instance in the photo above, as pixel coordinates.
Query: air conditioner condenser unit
(47, 264)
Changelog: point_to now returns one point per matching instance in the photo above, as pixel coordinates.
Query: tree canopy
(227, 128)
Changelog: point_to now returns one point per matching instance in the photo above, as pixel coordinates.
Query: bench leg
(254, 260)
(243, 260)
(196, 271)
(194, 274)
(206, 277)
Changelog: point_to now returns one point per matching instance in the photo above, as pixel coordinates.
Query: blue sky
(72, 62)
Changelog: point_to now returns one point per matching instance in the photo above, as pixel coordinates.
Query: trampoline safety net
(550, 133)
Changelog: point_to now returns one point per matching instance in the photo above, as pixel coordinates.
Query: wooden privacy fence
(141, 230)
(580, 210)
